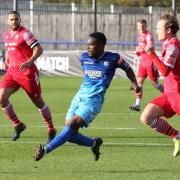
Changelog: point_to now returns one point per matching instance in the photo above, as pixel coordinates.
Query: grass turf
(130, 150)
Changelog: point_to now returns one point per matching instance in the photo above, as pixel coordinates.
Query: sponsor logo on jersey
(88, 62)
(106, 63)
(93, 73)
(11, 44)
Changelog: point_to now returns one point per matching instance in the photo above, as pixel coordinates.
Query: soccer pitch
(130, 150)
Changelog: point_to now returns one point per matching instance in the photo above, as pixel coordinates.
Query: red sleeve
(159, 64)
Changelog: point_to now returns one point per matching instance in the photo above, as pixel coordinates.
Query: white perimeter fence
(66, 63)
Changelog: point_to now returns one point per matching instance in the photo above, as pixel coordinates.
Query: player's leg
(141, 76)
(158, 85)
(46, 116)
(83, 140)
(70, 131)
(31, 84)
(7, 88)
(61, 138)
(137, 105)
(174, 101)
(88, 110)
(151, 116)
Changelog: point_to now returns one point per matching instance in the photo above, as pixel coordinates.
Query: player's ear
(168, 30)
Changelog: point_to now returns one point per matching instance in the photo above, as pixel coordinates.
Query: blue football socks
(81, 140)
(60, 139)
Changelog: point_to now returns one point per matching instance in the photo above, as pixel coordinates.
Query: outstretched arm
(134, 85)
(130, 74)
(164, 69)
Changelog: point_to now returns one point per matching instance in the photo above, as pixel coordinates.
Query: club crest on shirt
(28, 35)
(6, 37)
(16, 36)
(106, 63)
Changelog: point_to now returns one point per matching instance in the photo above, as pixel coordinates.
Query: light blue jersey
(98, 74)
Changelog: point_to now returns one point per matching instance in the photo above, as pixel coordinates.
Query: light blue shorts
(87, 107)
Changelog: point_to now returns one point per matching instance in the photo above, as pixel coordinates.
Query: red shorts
(28, 80)
(170, 103)
(147, 68)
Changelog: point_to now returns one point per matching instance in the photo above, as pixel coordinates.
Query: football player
(22, 50)
(99, 68)
(168, 103)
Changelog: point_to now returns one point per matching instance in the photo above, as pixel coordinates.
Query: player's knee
(144, 118)
(76, 122)
(38, 101)
(3, 99)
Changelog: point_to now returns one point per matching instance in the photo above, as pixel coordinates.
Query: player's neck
(169, 39)
(100, 55)
(15, 30)
(143, 32)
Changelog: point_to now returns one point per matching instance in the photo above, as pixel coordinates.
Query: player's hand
(135, 88)
(139, 50)
(25, 66)
(149, 49)
(5, 66)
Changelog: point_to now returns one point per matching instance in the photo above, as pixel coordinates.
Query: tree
(141, 3)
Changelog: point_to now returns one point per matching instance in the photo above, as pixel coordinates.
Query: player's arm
(134, 85)
(168, 60)
(6, 62)
(37, 51)
(164, 69)
(150, 42)
(130, 74)
(35, 46)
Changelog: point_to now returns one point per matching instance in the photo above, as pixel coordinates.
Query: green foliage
(141, 3)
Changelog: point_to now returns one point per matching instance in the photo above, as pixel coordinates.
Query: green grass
(130, 150)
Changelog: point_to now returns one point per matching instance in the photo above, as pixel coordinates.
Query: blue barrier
(46, 42)
(84, 43)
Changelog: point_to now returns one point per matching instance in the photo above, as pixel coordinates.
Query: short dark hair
(14, 12)
(142, 21)
(170, 22)
(99, 37)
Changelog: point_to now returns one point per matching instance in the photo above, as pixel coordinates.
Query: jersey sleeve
(30, 39)
(82, 59)
(171, 55)
(121, 63)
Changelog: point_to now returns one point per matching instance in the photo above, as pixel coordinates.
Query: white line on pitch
(98, 128)
(101, 113)
(105, 144)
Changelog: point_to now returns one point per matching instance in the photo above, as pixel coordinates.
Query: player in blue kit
(99, 68)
